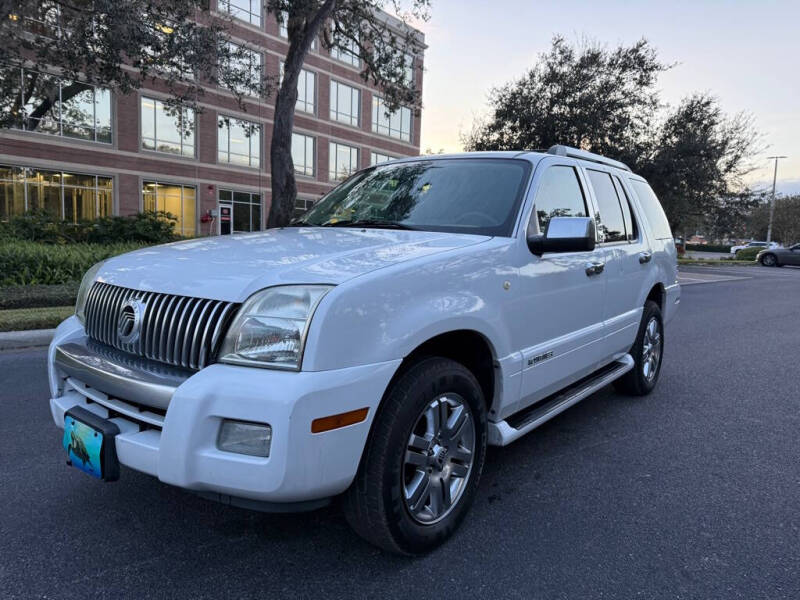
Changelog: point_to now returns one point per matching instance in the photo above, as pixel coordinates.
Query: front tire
(647, 352)
(423, 460)
(769, 260)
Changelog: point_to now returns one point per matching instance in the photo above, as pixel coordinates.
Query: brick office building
(101, 153)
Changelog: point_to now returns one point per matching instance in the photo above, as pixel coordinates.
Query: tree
(585, 96)
(179, 46)
(699, 160)
(605, 101)
(353, 26)
(785, 222)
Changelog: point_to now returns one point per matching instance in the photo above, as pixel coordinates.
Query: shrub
(708, 248)
(748, 253)
(33, 296)
(31, 263)
(152, 228)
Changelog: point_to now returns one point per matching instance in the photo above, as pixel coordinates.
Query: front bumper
(178, 445)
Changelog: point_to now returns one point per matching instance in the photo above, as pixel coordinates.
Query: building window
(66, 108)
(306, 90)
(62, 195)
(301, 205)
(408, 72)
(246, 66)
(283, 29)
(246, 10)
(303, 154)
(238, 142)
(346, 51)
(345, 103)
(396, 124)
(376, 158)
(175, 199)
(343, 161)
(165, 129)
(246, 209)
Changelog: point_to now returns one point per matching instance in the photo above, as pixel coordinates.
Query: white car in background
(762, 245)
(422, 310)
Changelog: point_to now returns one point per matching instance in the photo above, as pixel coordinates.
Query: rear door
(628, 259)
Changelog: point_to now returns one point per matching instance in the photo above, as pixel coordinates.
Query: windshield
(466, 195)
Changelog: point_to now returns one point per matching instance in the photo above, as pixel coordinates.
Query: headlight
(270, 328)
(83, 291)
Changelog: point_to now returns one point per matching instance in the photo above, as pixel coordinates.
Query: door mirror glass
(564, 234)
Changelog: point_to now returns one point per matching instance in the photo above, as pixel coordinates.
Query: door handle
(644, 257)
(594, 267)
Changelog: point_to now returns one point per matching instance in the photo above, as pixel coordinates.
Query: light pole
(772, 201)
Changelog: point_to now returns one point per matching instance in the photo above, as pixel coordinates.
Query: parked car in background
(420, 311)
(735, 249)
(777, 257)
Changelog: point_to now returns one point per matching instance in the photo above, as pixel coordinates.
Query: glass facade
(246, 209)
(238, 142)
(246, 10)
(376, 158)
(306, 90)
(347, 53)
(58, 107)
(345, 103)
(60, 194)
(396, 124)
(165, 131)
(343, 161)
(175, 199)
(248, 65)
(303, 154)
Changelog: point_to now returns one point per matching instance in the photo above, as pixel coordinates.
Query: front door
(225, 219)
(561, 311)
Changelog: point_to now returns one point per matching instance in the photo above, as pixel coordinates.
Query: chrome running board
(514, 427)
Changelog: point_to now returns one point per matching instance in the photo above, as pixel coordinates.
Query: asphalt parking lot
(691, 492)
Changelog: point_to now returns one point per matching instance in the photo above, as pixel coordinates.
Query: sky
(746, 53)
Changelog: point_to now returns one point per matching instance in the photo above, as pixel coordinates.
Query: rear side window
(630, 222)
(559, 195)
(610, 222)
(652, 210)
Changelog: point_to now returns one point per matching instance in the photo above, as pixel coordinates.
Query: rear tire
(411, 469)
(647, 352)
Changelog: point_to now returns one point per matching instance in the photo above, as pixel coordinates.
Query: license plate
(90, 445)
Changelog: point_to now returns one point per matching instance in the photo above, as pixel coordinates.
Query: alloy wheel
(651, 349)
(438, 458)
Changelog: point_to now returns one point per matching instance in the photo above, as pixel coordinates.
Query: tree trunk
(284, 186)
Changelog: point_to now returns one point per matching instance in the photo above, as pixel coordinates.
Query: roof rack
(560, 150)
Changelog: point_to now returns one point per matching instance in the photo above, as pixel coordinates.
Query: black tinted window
(610, 222)
(479, 196)
(651, 207)
(630, 221)
(559, 195)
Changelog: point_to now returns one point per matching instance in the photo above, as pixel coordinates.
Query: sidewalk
(17, 340)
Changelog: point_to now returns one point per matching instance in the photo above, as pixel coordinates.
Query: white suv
(424, 309)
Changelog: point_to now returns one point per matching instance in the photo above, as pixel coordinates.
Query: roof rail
(560, 150)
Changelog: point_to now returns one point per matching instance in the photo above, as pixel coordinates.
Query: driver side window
(559, 195)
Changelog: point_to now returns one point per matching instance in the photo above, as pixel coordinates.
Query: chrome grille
(177, 330)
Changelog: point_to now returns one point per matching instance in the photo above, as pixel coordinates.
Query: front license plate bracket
(89, 443)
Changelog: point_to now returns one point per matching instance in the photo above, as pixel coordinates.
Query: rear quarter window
(659, 225)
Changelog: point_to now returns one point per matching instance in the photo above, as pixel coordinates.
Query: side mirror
(564, 234)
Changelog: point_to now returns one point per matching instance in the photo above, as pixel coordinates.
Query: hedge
(35, 296)
(708, 248)
(748, 253)
(35, 263)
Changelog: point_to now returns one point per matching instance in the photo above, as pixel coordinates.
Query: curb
(17, 340)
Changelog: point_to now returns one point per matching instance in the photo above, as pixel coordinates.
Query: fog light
(253, 439)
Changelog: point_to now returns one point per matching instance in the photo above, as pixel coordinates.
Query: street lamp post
(772, 200)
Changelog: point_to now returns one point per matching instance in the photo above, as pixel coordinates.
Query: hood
(233, 267)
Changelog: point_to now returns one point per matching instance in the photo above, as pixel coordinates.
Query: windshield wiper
(302, 223)
(370, 224)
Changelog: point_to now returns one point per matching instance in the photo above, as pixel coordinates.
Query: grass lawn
(34, 318)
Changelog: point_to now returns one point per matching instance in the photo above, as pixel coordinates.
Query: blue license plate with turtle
(90, 445)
